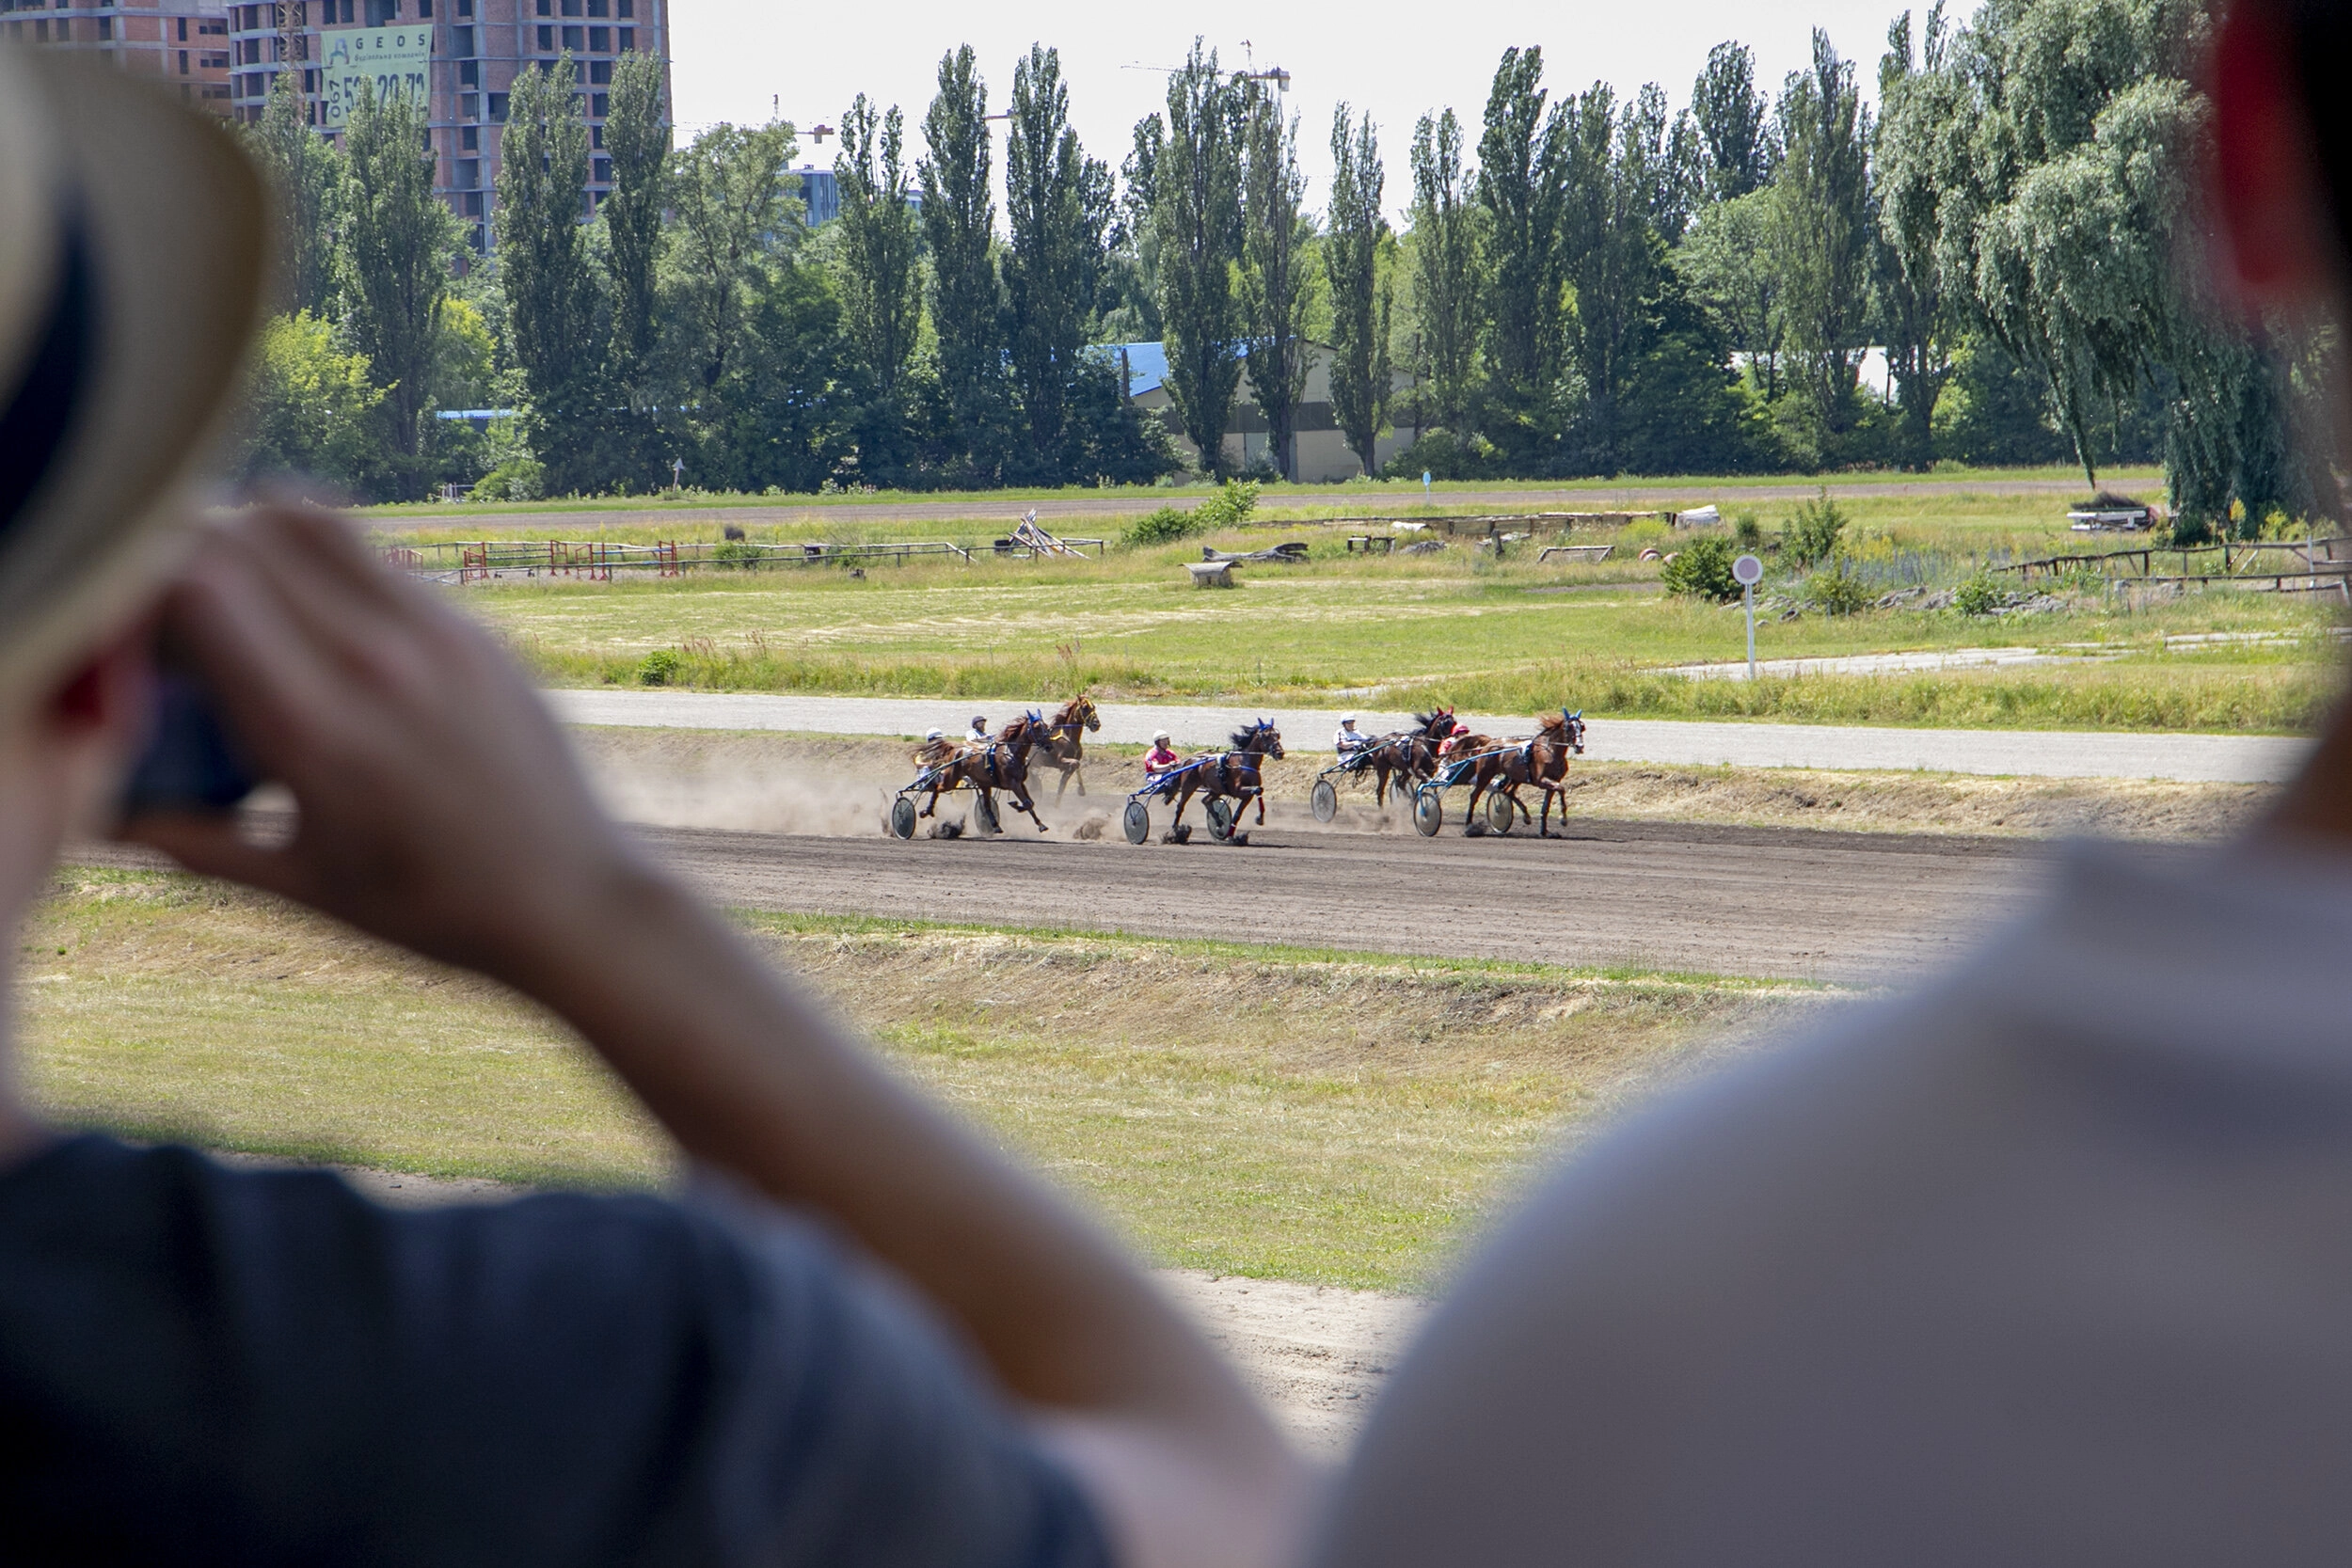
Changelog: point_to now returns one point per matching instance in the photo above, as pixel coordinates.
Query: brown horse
(1232, 775)
(1411, 754)
(1541, 759)
(1066, 748)
(989, 765)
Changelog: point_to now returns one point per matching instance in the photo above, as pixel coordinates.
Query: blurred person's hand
(440, 807)
(439, 803)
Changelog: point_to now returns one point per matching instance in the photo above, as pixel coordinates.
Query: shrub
(1228, 508)
(736, 553)
(1980, 595)
(1812, 536)
(1702, 569)
(1163, 527)
(1748, 531)
(1837, 589)
(517, 479)
(660, 667)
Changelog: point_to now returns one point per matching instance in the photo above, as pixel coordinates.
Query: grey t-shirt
(2050, 1264)
(200, 1364)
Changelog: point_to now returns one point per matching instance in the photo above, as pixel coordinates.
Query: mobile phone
(191, 762)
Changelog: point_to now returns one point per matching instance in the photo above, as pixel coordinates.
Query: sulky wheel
(1220, 814)
(1136, 823)
(1502, 812)
(984, 815)
(1325, 800)
(902, 818)
(1428, 810)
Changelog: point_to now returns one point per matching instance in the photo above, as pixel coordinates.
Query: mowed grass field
(1331, 1118)
(1458, 626)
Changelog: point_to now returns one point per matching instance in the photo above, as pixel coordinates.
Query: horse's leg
(1021, 800)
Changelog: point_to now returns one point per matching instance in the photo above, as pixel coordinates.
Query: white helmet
(934, 733)
(1347, 719)
(1159, 735)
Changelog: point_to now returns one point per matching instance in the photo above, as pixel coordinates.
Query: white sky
(736, 58)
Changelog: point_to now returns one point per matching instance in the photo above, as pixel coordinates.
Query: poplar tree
(637, 138)
(1822, 235)
(543, 263)
(959, 223)
(882, 284)
(1276, 290)
(1057, 207)
(1447, 273)
(1197, 220)
(1522, 174)
(305, 175)
(398, 243)
(1729, 112)
(1360, 296)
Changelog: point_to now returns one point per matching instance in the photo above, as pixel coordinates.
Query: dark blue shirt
(200, 1364)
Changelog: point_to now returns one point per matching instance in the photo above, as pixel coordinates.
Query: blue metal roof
(1147, 364)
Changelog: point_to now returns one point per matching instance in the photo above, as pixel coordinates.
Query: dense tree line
(1581, 283)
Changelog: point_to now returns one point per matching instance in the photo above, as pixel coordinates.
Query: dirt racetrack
(1775, 902)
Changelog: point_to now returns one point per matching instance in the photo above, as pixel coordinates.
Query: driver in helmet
(978, 735)
(1161, 758)
(1347, 742)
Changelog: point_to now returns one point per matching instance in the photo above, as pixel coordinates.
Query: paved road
(2032, 754)
(1615, 498)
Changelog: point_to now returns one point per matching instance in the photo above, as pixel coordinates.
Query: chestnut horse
(1065, 744)
(1411, 754)
(1233, 774)
(1542, 760)
(989, 765)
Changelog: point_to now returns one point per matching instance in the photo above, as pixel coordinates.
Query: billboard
(379, 61)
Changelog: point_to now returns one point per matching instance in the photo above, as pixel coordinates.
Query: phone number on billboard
(341, 94)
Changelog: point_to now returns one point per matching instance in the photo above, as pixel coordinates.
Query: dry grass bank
(1320, 1116)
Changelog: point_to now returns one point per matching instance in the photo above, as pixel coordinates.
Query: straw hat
(132, 249)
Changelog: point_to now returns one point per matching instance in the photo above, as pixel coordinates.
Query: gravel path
(2026, 753)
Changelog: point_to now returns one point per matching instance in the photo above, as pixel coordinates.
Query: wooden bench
(1371, 543)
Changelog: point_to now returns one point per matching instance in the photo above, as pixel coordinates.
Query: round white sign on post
(1747, 571)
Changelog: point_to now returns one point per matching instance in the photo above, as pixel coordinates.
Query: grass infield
(1335, 1118)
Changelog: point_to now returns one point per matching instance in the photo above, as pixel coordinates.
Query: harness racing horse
(1411, 754)
(1231, 775)
(989, 765)
(1065, 741)
(1542, 760)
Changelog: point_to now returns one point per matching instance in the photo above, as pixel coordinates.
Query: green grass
(1389, 494)
(1486, 635)
(1331, 1116)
